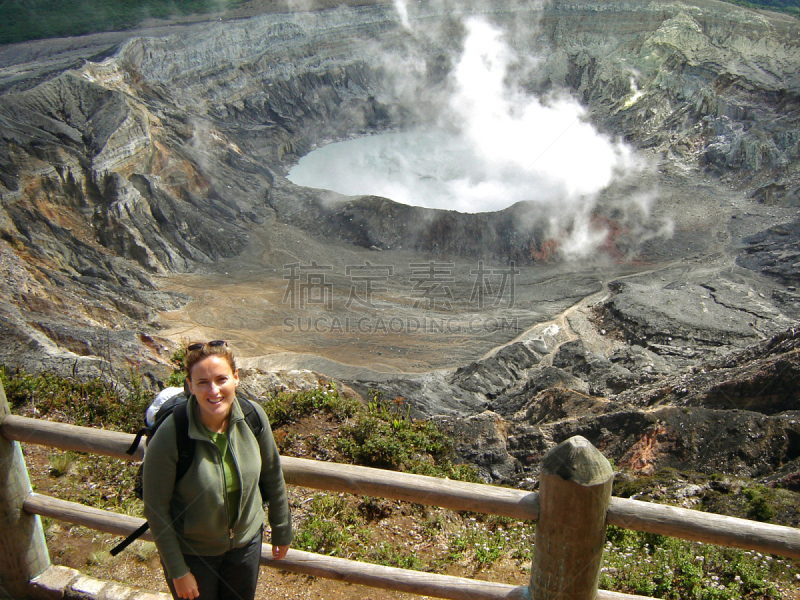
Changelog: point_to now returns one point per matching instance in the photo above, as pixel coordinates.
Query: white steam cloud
(523, 142)
(501, 146)
(401, 6)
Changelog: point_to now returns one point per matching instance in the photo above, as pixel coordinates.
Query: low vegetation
(663, 567)
(381, 433)
(94, 403)
(24, 20)
(785, 6)
(39, 19)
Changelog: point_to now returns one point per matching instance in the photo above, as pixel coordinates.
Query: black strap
(130, 539)
(251, 416)
(184, 443)
(185, 447)
(136, 441)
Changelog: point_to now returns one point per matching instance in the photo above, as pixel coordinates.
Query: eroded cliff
(130, 159)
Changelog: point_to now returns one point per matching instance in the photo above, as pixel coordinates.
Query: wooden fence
(572, 509)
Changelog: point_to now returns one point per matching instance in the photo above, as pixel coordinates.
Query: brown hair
(204, 350)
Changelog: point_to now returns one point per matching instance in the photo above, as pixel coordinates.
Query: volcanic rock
(143, 190)
(482, 441)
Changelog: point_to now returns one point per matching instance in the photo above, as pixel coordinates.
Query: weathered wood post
(23, 551)
(574, 495)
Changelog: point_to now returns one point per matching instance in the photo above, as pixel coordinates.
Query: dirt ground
(256, 301)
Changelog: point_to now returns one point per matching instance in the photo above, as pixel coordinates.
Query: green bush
(664, 567)
(329, 527)
(87, 403)
(178, 375)
(380, 435)
(385, 437)
(287, 407)
(39, 19)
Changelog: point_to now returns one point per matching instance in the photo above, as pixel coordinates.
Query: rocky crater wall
(167, 154)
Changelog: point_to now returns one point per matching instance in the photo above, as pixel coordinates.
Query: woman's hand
(186, 586)
(278, 552)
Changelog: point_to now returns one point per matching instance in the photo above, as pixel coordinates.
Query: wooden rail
(648, 517)
(559, 486)
(308, 563)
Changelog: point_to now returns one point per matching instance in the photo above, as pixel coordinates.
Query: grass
(721, 494)
(285, 408)
(380, 435)
(22, 20)
(61, 463)
(356, 528)
(94, 403)
(99, 481)
(663, 567)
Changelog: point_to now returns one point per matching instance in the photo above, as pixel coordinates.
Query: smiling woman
(207, 524)
(213, 381)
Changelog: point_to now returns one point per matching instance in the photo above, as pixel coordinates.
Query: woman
(208, 525)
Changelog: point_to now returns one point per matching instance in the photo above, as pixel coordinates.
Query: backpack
(172, 401)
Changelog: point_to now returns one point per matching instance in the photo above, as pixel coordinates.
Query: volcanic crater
(144, 200)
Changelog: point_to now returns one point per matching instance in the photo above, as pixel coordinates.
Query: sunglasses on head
(212, 343)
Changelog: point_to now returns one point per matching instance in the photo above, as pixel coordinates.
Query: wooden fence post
(23, 551)
(574, 495)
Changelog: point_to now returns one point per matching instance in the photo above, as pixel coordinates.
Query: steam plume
(501, 146)
(401, 6)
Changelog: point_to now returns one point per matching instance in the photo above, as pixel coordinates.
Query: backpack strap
(185, 446)
(251, 416)
(130, 539)
(139, 434)
(253, 421)
(184, 443)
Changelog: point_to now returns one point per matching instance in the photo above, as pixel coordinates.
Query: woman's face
(214, 384)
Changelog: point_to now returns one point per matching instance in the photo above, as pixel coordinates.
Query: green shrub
(759, 508)
(389, 439)
(392, 555)
(288, 407)
(40, 19)
(664, 567)
(178, 375)
(86, 403)
(330, 526)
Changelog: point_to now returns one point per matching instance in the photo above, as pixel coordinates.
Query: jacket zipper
(221, 472)
(241, 486)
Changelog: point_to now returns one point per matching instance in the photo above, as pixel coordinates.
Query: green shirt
(232, 486)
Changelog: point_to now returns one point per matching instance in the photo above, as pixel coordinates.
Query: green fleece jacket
(191, 516)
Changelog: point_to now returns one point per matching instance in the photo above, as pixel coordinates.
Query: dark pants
(229, 576)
